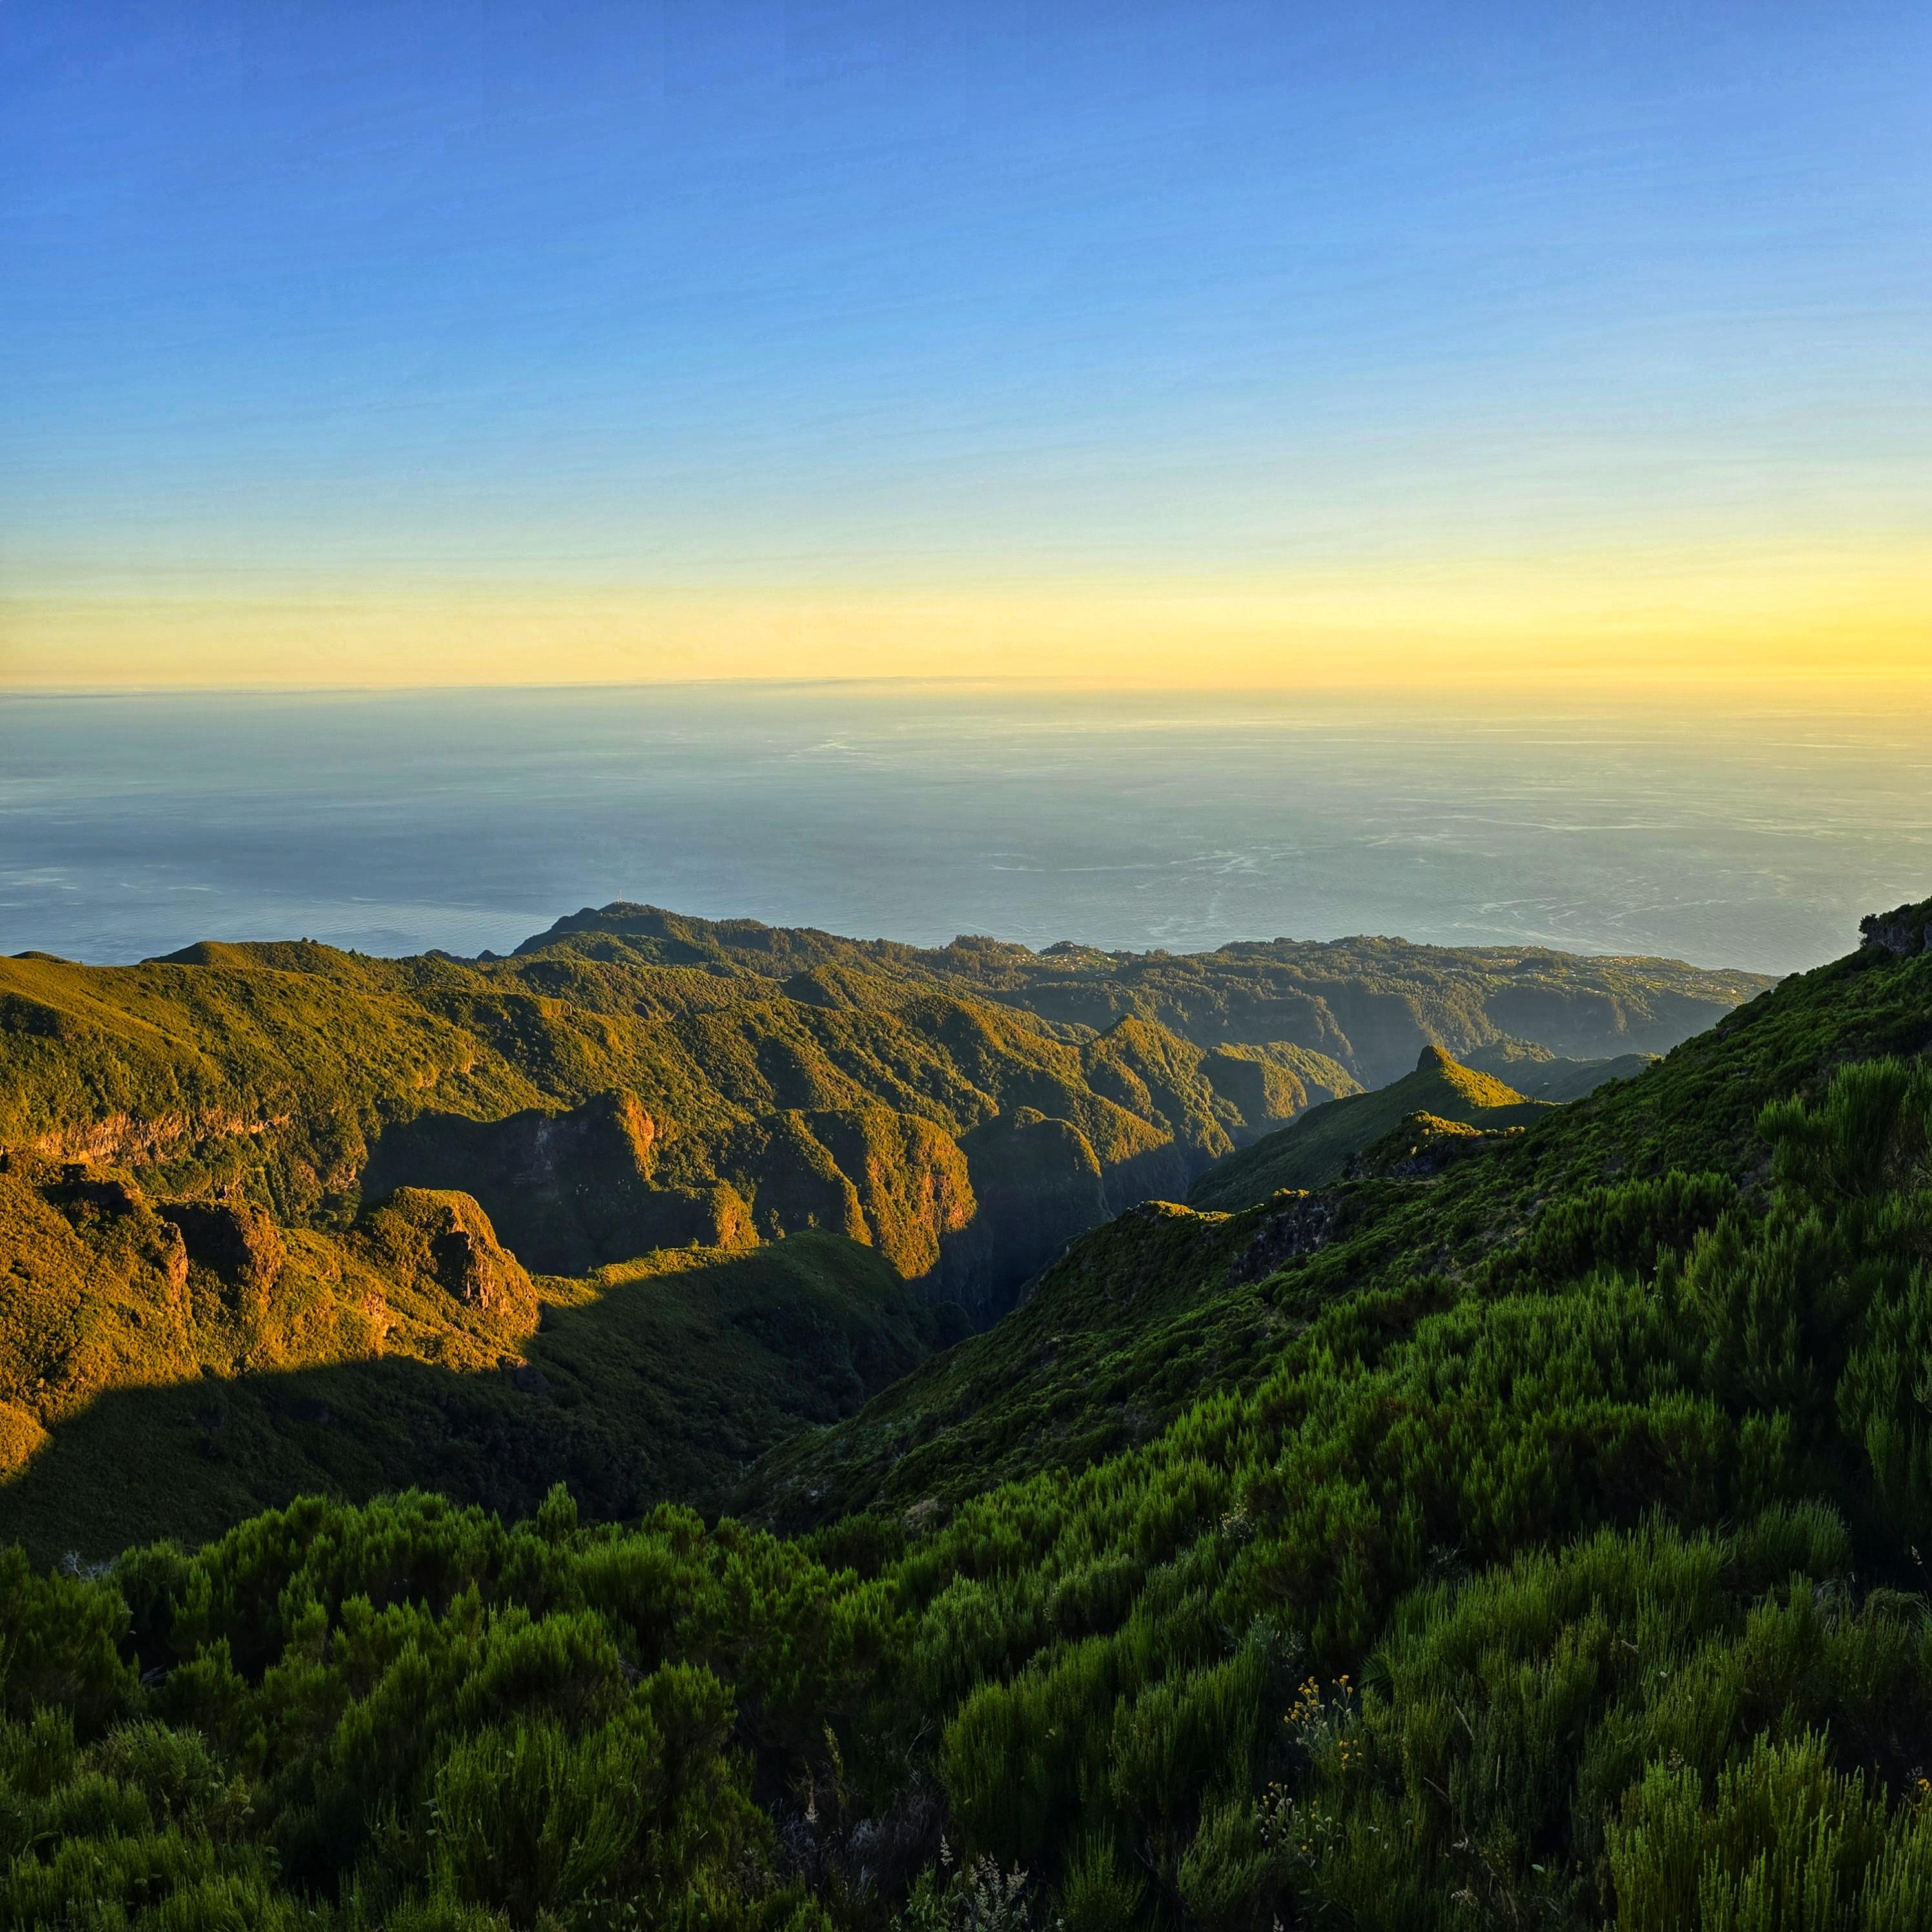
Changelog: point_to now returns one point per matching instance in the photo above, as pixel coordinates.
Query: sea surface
(131, 825)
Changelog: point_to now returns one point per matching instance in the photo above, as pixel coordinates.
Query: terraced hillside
(1534, 1536)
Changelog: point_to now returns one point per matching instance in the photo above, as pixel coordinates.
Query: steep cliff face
(1038, 1184)
(966, 1221)
(570, 1190)
(234, 1240)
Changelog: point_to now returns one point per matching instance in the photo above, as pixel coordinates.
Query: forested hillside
(206, 1163)
(631, 1080)
(1372, 1003)
(1529, 1537)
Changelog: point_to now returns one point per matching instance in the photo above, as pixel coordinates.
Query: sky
(1215, 344)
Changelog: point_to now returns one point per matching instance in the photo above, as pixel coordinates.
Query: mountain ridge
(640, 1091)
(276, 1068)
(1535, 1532)
(1316, 1147)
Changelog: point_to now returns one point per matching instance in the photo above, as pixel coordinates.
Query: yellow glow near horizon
(1826, 620)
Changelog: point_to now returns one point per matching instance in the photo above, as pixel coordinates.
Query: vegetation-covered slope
(197, 1253)
(1537, 1075)
(730, 1082)
(1536, 1542)
(628, 1084)
(170, 1367)
(600, 1112)
(1315, 1148)
(1372, 1003)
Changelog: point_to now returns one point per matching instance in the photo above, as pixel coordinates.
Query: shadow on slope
(658, 1379)
(1117, 1337)
(966, 1221)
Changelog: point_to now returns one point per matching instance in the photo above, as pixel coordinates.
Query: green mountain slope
(1316, 1147)
(1536, 1538)
(1539, 1075)
(1371, 1003)
(658, 1107)
(631, 1080)
(1203, 1289)
(167, 1368)
(1577, 1486)
(198, 1152)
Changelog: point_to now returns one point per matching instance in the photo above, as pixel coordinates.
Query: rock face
(569, 1191)
(234, 1240)
(442, 1241)
(1303, 1223)
(1905, 930)
(463, 1266)
(174, 1259)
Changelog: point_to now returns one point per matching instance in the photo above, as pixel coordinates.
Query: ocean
(131, 826)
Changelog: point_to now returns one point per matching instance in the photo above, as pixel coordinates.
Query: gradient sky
(413, 342)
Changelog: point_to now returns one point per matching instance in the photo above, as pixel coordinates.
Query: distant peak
(1434, 1059)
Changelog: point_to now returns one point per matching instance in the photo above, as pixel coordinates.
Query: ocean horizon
(393, 822)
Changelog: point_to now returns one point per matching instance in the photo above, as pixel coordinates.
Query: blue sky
(715, 295)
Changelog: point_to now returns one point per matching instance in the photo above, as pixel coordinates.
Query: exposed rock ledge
(1300, 1224)
(1904, 931)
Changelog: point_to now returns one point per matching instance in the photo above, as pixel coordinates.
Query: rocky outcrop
(463, 1266)
(1301, 1224)
(234, 1240)
(441, 1241)
(910, 1181)
(1905, 931)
